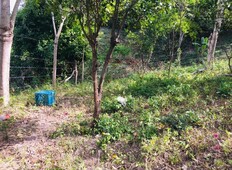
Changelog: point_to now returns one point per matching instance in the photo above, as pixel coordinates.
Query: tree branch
(53, 23)
(125, 16)
(83, 29)
(87, 4)
(61, 26)
(98, 21)
(14, 13)
(113, 42)
(67, 79)
(115, 18)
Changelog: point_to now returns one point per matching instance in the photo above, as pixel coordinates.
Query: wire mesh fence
(26, 72)
(23, 76)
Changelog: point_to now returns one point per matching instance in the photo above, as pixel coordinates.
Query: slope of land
(179, 122)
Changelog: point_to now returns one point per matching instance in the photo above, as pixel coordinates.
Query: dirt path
(29, 145)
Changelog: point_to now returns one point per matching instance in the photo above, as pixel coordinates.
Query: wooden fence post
(76, 72)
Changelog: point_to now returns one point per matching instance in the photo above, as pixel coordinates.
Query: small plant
(122, 50)
(219, 163)
(66, 129)
(227, 144)
(225, 90)
(147, 132)
(175, 158)
(110, 105)
(158, 144)
(181, 121)
(201, 49)
(216, 87)
(71, 129)
(5, 125)
(180, 93)
(146, 129)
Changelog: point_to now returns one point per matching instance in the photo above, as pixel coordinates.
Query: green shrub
(110, 105)
(151, 86)
(71, 129)
(111, 128)
(225, 89)
(216, 86)
(147, 132)
(122, 50)
(181, 121)
(158, 102)
(179, 94)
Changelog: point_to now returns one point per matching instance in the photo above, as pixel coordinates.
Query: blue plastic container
(45, 98)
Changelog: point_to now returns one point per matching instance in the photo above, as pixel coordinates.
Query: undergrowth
(181, 121)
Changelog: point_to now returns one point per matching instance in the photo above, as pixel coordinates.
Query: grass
(183, 121)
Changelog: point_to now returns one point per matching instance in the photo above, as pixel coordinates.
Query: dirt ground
(29, 146)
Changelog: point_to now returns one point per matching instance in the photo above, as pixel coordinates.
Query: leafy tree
(92, 16)
(33, 43)
(165, 22)
(33, 46)
(228, 17)
(62, 12)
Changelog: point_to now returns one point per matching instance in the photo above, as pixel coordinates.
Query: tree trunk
(83, 66)
(181, 38)
(97, 97)
(55, 61)
(172, 53)
(5, 50)
(214, 36)
(150, 56)
(7, 22)
(105, 66)
(98, 87)
(229, 57)
(56, 40)
(76, 72)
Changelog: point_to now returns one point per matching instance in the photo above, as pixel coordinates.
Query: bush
(180, 93)
(110, 105)
(181, 121)
(111, 128)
